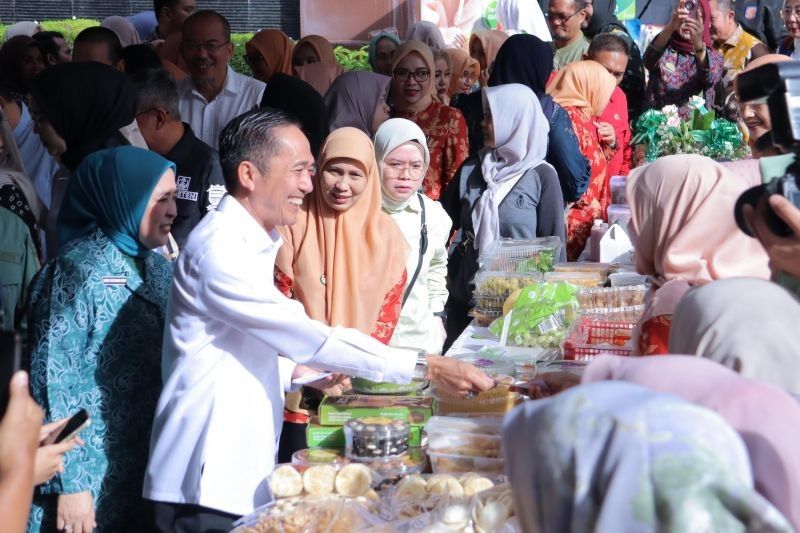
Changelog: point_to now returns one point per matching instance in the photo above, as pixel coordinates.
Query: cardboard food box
(319, 436)
(336, 410)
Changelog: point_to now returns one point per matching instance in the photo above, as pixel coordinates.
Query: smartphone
(77, 422)
(10, 363)
(691, 6)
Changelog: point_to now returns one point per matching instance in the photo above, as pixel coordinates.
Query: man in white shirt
(233, 341)
(213, 94)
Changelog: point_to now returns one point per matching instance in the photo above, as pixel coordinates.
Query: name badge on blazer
(112, 281)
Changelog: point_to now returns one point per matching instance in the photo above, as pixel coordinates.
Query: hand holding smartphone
(77, 422)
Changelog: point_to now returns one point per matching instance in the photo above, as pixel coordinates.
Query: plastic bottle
(599, 228)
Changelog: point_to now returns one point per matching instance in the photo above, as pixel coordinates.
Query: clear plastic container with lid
(627, 279)
(620, 214)
(303, 459)
(494, 285)
(581, 279)
(375, 437)
(602, 297)
(492, 365)
(498, 400)
(518, 255)
(619, 196)
(583, 266)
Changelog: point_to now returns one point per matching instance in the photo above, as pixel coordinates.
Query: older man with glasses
(565, 18)
(213, 94)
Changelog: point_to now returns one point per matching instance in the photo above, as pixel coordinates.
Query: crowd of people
(180, 242)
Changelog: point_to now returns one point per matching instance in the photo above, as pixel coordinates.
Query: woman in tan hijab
(483, 47)
(315, 63)
(344, 258)
(414, 98)
(464, 71)
(268, 52)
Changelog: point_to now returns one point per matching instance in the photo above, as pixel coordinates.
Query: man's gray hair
(156, 88)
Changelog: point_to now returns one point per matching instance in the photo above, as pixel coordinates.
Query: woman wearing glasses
(681, 60)
(791, 17)
(414, 98)
(402, 156)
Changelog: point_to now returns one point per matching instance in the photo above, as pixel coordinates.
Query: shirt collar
(183, 150)
(233, 85)
(733, 40)
(252, 232)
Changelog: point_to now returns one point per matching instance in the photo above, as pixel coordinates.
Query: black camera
(778, 86)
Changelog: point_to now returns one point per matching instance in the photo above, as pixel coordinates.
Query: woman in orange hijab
(465, 71)
(414, 98)
(315, 63)
(583, 89)
(483, 47)
(344, 259)
(268, 52)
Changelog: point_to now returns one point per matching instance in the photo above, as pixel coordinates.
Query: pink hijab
(767, 419)
(682, 222)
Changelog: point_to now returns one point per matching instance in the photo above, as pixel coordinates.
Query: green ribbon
(647, 126)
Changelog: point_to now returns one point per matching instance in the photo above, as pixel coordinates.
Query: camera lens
(689, 5)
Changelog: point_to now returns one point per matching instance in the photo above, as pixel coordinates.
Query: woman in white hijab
(507, 190)
(748, 325)
(403, 158)
(523, 16)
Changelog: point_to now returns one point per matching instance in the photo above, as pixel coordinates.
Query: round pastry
(319, 480)
(354, 480)
(444, 484)
(285, 482)
(412, 488)
(474, 484)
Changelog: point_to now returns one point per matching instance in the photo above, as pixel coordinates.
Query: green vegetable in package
(541, 315)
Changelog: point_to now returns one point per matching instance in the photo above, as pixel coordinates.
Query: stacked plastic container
(506, 266)
(619, 211)
(461, 445)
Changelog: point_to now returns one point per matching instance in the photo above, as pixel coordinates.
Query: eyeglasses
(146, 111)
(415, 169)
(401, 74)
(559, 18)
(210, 46)
(787, 13)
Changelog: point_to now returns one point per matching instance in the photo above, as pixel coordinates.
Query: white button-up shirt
(220, 413)
(239, 95)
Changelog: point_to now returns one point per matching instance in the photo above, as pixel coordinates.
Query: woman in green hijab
(98, 312)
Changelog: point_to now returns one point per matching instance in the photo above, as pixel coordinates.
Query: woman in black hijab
(79, 108)
(299, 99)
(604, 20)
(528, 60)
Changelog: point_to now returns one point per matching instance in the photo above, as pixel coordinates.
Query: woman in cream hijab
(402, 156)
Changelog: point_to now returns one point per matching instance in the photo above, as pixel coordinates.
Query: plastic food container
(365, 386)
(484, 317)
(493, 365)
(491, 425)
(601, 268)
(303, 459)
(495, 284)
(581, 279)
(466, 444)
(620, 214)
(608, 333)
(599, 298)
(446, 463)
(389, 470)
(373, 437)
(626, 279)
(516, 255)
(289, 481)
(499, 400)
(619, 195)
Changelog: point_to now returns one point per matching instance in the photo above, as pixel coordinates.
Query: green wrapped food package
(541, 315)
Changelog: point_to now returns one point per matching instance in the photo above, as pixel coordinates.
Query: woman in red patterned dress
(583, 89)
(413, 98)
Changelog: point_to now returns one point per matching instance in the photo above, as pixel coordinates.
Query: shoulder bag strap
(423, 247)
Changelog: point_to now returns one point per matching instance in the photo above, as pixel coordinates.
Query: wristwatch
(421, 368)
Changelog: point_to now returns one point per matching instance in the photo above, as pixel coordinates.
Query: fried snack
(474, 484)
(319, 480)
(354, 480)
(445, 484)
(285, 482)
(412, 488)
